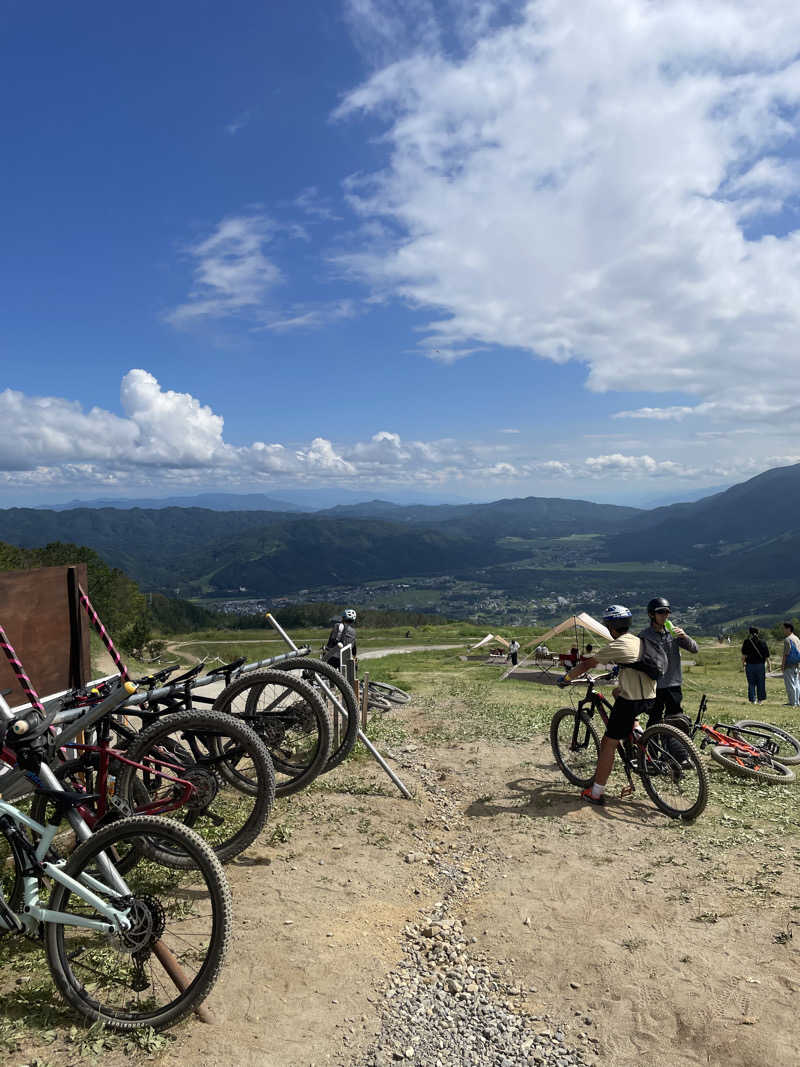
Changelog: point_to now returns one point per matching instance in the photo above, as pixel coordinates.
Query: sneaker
(587, 795)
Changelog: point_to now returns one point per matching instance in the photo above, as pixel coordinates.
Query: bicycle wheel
(378, 703)
(168, 961)
(788, 746)
(672, 772)
(223, 759)
(289, 718)
(760, 767)
(315, 671)
(390, 692)
(575, 744)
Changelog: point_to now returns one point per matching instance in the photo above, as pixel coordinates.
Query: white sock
(598, 790)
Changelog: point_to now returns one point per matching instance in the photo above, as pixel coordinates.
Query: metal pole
(361, 735)
(364, 701)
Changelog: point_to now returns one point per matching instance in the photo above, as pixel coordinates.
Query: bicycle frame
(35, 863)
(107, 754)
(716, 736)
(44, 776)
(595, 701)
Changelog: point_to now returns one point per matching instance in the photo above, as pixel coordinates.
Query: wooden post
(364, 702)
(178, 976)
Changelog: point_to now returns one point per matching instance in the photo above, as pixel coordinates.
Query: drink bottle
(669, 627)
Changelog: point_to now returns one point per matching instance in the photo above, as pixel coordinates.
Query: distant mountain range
(733, 547)
(211, 501)
(300, 500)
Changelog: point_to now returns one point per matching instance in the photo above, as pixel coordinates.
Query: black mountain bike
(663, 756)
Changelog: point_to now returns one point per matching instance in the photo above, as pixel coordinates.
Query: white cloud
(576, 183)
(239, 123)
(169, 439)
(232, 274)
(173, 429)
(676, 413)
(311, 315)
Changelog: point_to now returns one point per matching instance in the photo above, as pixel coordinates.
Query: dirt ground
(613, 921)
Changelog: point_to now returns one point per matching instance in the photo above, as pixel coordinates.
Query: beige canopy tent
(486, 640)
(586, 622)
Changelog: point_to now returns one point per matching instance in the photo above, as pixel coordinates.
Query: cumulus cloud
(167, 439)
(232, 274)
(612, 182)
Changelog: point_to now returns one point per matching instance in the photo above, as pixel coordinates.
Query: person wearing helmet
(634, 693)
(342, 633)
(669, 691)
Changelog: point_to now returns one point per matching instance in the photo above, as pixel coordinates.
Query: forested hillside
(730, 554)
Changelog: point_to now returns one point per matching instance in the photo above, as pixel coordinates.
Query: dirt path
(377, 653)
(644, 942)
(371, 653)
(609, 927)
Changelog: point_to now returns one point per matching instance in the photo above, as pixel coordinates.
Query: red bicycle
(749, 749)
(208, 769)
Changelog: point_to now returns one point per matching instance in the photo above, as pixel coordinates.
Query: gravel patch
(446, 1004)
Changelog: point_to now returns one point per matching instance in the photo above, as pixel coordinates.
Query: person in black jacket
(342, 633)
(754, 659)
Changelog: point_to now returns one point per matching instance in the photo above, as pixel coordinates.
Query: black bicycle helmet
(656, 603)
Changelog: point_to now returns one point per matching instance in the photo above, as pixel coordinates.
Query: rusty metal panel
(46, 627)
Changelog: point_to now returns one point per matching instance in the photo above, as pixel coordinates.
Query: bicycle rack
(343, 713)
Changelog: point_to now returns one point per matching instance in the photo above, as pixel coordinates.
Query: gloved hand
(563, 682)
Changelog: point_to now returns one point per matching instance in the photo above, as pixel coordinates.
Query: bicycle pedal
(119, 806)
(626, 791)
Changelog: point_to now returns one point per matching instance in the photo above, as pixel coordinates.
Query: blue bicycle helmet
(616, 613)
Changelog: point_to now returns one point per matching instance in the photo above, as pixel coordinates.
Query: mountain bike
(388, 692)
(208, 770)
(131, 951)
(663, 756)
(289, 717)
(749, 749)
(338, 698)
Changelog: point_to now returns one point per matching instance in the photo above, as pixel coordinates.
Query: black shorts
(620, 721)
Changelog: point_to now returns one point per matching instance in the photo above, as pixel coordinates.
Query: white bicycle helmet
(349, 615)
(616, 613)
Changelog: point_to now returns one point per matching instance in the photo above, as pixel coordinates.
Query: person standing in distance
(342, 633)
(634, 694)
(754, 660)
(513, 651)
(790, 664)
(669, 692)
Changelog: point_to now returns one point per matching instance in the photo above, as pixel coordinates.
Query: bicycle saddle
(64, 799)
(151, 680)
(187, 677)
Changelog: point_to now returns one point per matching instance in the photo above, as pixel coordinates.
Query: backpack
(793, 655)
(652, 659)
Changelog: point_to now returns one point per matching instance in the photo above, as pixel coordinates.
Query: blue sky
(475, 248)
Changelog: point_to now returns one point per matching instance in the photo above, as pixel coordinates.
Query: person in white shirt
(790, 664)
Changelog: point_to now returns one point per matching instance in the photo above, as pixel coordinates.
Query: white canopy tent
(582, 620)
(487, 640)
